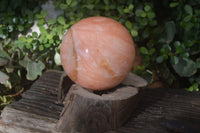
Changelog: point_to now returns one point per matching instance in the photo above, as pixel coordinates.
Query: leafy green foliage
(33, 68)
(178, 44)
(15, 17)
(185, 67)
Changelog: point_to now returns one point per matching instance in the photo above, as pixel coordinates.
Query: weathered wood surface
(87, 112)
(134, 80)
(165, 111)
(37, 111)
(159, 111)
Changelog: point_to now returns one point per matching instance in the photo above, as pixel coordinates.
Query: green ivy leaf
(152, 51)
(3, 61)
(59, 30)
(151, 15)
(43, 30)
(160, 59)
(63, 6)
(9, 67)
(170, 31)
(3, 78)
(143, 50)
(49, 36)
(193, 87)
(185, 54)
(134, 33)
(130, 7)
(138, 12)
(51, 21)
(74, 3)
(120, 10)
(34, 34)
(166, 49)
(57, 59)
(34, 69)
(188, 9)
(126, 10)
(38, 16)
(187, 18)
(173, 4)
(180, 49)
(47, 45)
(147, 8)
(51, 41)
(68, 2)
(4, 55)
(43, 14)
(61, 20)
(40, 22)
(22, 39)
(24, 62)
(144, 22)
(20, 28)
(177, 44)
(143, 14)
(129, 25)
(185, 67)
(90, 6)
(106, 2)
(174, 60)
(41, 48)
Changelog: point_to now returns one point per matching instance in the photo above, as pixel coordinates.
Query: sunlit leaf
(3, 78)
(57, 58)
(68, 2)
(63, 6)
(143, 50)
(34, 69)
(128, 24)
(61, 20)
(51, 21)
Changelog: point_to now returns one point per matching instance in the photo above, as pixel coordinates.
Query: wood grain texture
(165, 111)
(86, 112)
(134, 80)
(159, 110)
(38, 111)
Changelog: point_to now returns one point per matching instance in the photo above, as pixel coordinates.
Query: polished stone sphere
(97, 53)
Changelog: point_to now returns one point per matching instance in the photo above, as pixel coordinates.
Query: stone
(97, 53)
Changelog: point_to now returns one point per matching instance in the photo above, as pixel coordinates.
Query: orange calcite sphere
(97, 53)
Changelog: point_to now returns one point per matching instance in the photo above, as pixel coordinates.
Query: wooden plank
(163, 111)
(159, 111)
(37, 111)
(19, 118)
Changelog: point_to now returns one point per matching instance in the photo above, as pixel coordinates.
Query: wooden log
(87, 112)
(20, 121)
(134, 80)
